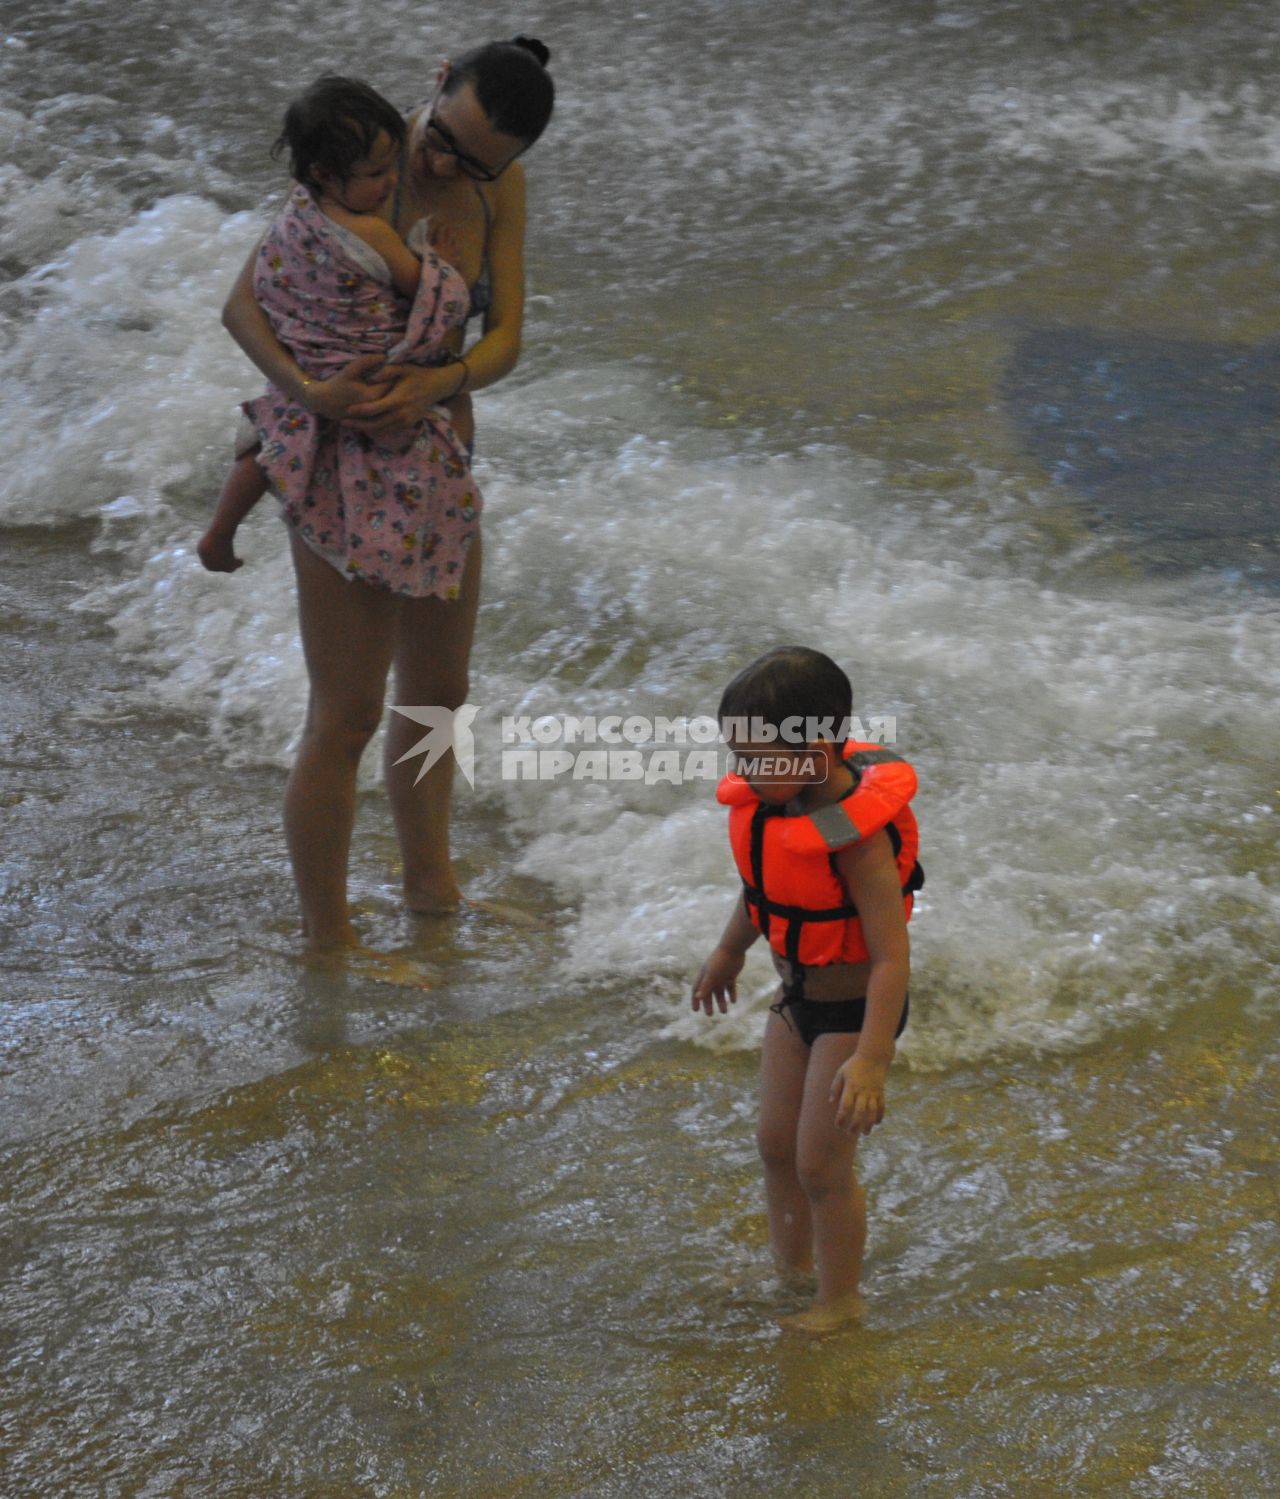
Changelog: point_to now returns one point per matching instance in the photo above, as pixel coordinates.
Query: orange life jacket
(791, 887)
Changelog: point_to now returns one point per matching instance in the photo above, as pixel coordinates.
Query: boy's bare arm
(716, 984)
(870, 874)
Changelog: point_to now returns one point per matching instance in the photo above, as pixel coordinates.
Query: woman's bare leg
(432, 655)
(348, 630)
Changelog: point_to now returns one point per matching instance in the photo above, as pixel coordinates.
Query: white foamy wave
(1092, 769)
(121, 388)
(119, 382)
(1100, 125)
(223, 648)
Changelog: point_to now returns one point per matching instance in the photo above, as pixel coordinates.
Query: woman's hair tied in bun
(531, 44)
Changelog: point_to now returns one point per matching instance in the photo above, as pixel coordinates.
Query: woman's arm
(498, 351)
(414, 390)
(246, 322)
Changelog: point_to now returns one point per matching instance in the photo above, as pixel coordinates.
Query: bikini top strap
(401, 169)
(487, 209)
(485, 206)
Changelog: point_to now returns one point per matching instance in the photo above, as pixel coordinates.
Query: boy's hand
(715, 984)
(858, 1093)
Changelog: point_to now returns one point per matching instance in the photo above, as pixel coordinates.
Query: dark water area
(937, 335)
(1172, 443)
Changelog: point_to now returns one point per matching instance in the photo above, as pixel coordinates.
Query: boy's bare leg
(432, 654)
(347, 634)
(784, 1062)
(825, 1157)
(243, 487)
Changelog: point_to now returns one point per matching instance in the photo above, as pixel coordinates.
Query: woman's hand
(355, 384)
(407, 396)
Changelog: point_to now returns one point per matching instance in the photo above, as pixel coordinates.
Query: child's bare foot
(794, 1277)
(760, 1282)
(395, 968)
(217, 553)
(827, 1316)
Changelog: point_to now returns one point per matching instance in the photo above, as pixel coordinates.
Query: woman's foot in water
(442, 896)
(434, 895)
(344, 953)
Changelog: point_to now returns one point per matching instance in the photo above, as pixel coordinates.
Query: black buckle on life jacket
(796, 915)
(793, 990)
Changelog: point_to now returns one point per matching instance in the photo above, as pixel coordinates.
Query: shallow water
(932, 335)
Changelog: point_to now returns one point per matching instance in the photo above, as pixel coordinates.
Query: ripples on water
(936, 335)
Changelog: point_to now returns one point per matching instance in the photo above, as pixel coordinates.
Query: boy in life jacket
(826, 846)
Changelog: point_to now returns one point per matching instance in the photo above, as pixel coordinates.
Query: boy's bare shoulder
(868, 861)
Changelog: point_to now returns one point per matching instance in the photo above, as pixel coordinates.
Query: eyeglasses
(440, 138)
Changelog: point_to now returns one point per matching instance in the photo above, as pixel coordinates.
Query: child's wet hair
(334, 125)
(512, 84)
(790, 682)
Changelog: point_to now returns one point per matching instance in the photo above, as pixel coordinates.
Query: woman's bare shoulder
(512, 181)
(507, 194)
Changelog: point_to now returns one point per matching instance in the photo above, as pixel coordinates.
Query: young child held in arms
(338, 283)
(826, 847)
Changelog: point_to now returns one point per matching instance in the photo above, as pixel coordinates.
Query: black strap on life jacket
(915, 880)
(796, 917)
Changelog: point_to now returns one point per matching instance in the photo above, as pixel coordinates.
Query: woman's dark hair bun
(511, 82)
(531, 44)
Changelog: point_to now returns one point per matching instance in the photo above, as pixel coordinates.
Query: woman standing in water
(459, 174)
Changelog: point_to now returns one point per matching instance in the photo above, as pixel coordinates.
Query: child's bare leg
(347, 634)
(243, 487)
(824, 1160)
(783, 1064)
(432, 656)
(463, 418)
